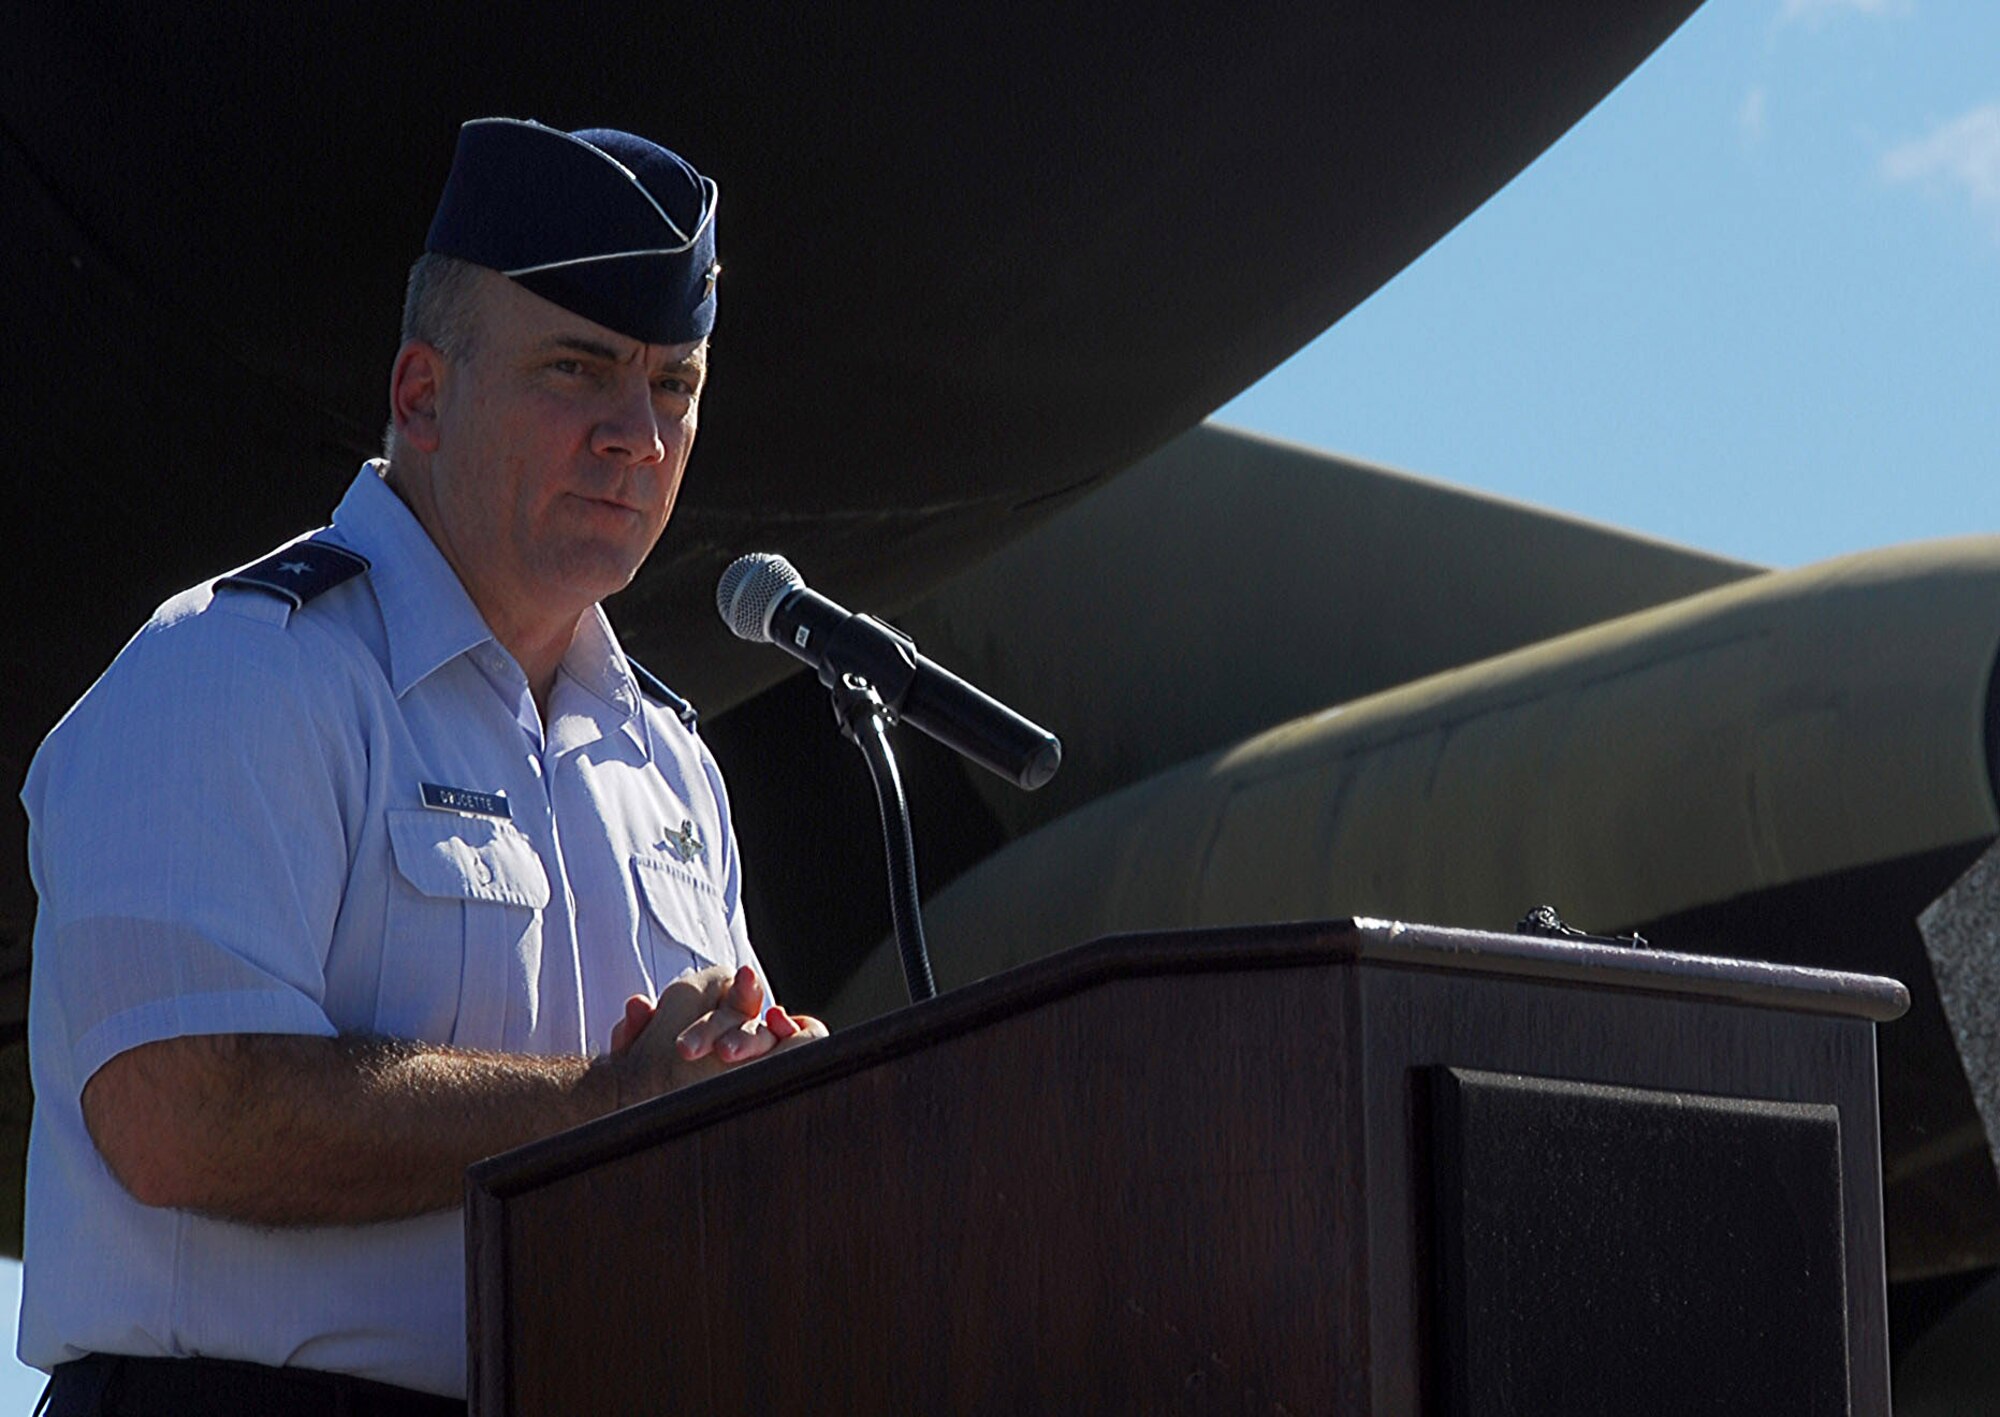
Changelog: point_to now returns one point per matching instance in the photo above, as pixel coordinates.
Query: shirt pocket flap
(470, 858)
(684, 906)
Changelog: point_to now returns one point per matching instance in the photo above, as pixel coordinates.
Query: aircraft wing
(978, 258)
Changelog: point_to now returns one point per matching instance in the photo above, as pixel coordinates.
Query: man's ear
(414, 383)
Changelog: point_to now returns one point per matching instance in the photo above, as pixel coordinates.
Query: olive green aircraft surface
(987, 268)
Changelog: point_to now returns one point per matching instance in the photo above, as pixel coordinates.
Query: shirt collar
(596, 661)
(609, 700)
(428, 617)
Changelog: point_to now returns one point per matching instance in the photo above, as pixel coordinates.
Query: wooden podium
(1353, 1167)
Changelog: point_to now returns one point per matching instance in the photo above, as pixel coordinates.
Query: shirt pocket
(462, 944)
(685, 927)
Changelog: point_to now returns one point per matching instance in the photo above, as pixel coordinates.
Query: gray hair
(439, 308)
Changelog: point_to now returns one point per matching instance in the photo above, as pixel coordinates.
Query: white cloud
(1815, 11)
(1963, 154)
(1751, 117)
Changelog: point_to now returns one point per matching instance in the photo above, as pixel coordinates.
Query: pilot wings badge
(686, 844)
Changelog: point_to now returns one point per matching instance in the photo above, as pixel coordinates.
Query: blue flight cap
(603, 223)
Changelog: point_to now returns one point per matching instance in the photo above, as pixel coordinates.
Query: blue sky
(19, 1386)
(1750, 303)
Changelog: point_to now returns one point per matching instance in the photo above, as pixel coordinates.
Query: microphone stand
(864, 721)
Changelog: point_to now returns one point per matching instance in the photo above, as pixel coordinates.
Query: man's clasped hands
(707, 1022)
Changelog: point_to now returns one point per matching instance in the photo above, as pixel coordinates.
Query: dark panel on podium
(1613, 1249)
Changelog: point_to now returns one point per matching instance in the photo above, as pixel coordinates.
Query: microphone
(763, 598)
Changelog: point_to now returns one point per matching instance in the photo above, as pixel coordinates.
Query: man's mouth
(608, 503)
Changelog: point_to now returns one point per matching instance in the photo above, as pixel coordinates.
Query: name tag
(462, 799)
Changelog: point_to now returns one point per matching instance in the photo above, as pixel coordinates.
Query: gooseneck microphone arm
(864, 722)
(878, 679)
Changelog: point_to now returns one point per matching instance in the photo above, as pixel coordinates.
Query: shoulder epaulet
(299, 572)
(659, 693)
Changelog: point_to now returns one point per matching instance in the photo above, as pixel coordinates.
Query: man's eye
(567, 366)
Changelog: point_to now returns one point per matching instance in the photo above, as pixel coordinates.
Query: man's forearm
(287, 1130)
(279, 1129)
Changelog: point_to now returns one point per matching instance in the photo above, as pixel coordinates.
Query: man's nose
(629, 431)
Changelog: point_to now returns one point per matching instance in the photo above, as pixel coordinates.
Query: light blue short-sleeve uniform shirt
(230, 834)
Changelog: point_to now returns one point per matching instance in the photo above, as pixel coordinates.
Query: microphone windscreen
(751, 589)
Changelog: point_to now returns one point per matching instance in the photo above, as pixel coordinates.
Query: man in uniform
(379, 856)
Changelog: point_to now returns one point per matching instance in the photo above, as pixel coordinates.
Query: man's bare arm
(289, 1130)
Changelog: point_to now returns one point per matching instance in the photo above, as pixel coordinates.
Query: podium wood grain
(1163, 1173)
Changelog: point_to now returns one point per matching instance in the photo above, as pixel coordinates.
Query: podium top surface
(1363, 942)
(1621, 966)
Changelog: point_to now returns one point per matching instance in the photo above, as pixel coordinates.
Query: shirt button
(482, 872)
